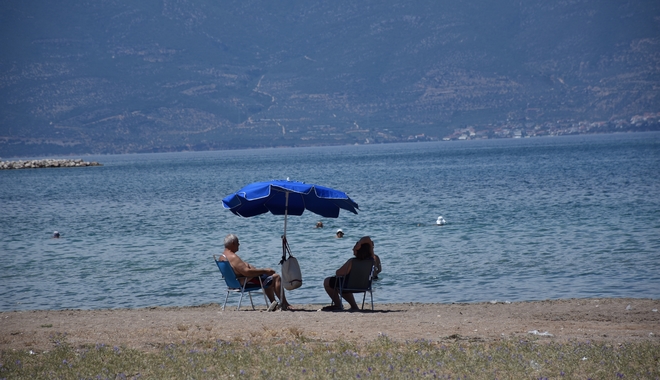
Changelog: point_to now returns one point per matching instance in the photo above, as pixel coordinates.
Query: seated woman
(363, 250)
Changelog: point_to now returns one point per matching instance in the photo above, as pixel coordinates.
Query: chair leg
(263, 291)
(372, 299)
(250, 294)
(239, 302)
(226, 297)
(363, 297)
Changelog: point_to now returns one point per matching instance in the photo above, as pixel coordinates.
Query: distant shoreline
(177, 149)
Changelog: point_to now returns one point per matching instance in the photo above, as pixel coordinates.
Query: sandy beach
(611, 320)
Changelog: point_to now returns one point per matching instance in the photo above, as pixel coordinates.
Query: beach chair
(358, 280)
(238, 284)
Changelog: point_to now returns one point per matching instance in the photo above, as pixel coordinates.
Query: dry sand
(612, 320)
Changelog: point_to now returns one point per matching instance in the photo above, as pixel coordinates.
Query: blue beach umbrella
(284, 197)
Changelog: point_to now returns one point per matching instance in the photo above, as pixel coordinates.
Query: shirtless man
(243, 269)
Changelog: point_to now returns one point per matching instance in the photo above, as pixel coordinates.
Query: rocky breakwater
(46, 163)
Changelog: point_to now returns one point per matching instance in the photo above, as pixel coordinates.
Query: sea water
(527, 219)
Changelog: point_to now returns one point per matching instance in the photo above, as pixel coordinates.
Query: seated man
(243, 269)
(363, 250)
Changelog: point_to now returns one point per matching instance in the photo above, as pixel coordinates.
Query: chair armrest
(243, 280)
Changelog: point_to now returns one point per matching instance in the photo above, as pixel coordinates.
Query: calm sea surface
(528, 219)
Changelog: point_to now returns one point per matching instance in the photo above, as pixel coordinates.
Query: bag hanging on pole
(291, 275)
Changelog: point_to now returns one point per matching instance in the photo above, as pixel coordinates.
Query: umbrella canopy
(284, 197)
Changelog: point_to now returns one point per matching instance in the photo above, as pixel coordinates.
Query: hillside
(167, 75)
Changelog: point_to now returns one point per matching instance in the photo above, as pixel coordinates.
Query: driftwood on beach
(46, 163)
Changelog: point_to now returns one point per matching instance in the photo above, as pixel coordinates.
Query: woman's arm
(377, 265)
(345, 269)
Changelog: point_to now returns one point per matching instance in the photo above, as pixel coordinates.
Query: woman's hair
(364, 252)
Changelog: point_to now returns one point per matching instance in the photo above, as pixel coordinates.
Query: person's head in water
(340, 233)
(56, 235)
(319, 224)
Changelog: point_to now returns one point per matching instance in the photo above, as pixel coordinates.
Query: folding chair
(238, 284)
(358, 280)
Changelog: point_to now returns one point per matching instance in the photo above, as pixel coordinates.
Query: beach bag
(291, 275)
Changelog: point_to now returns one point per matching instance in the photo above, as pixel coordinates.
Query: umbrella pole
(286, 212)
